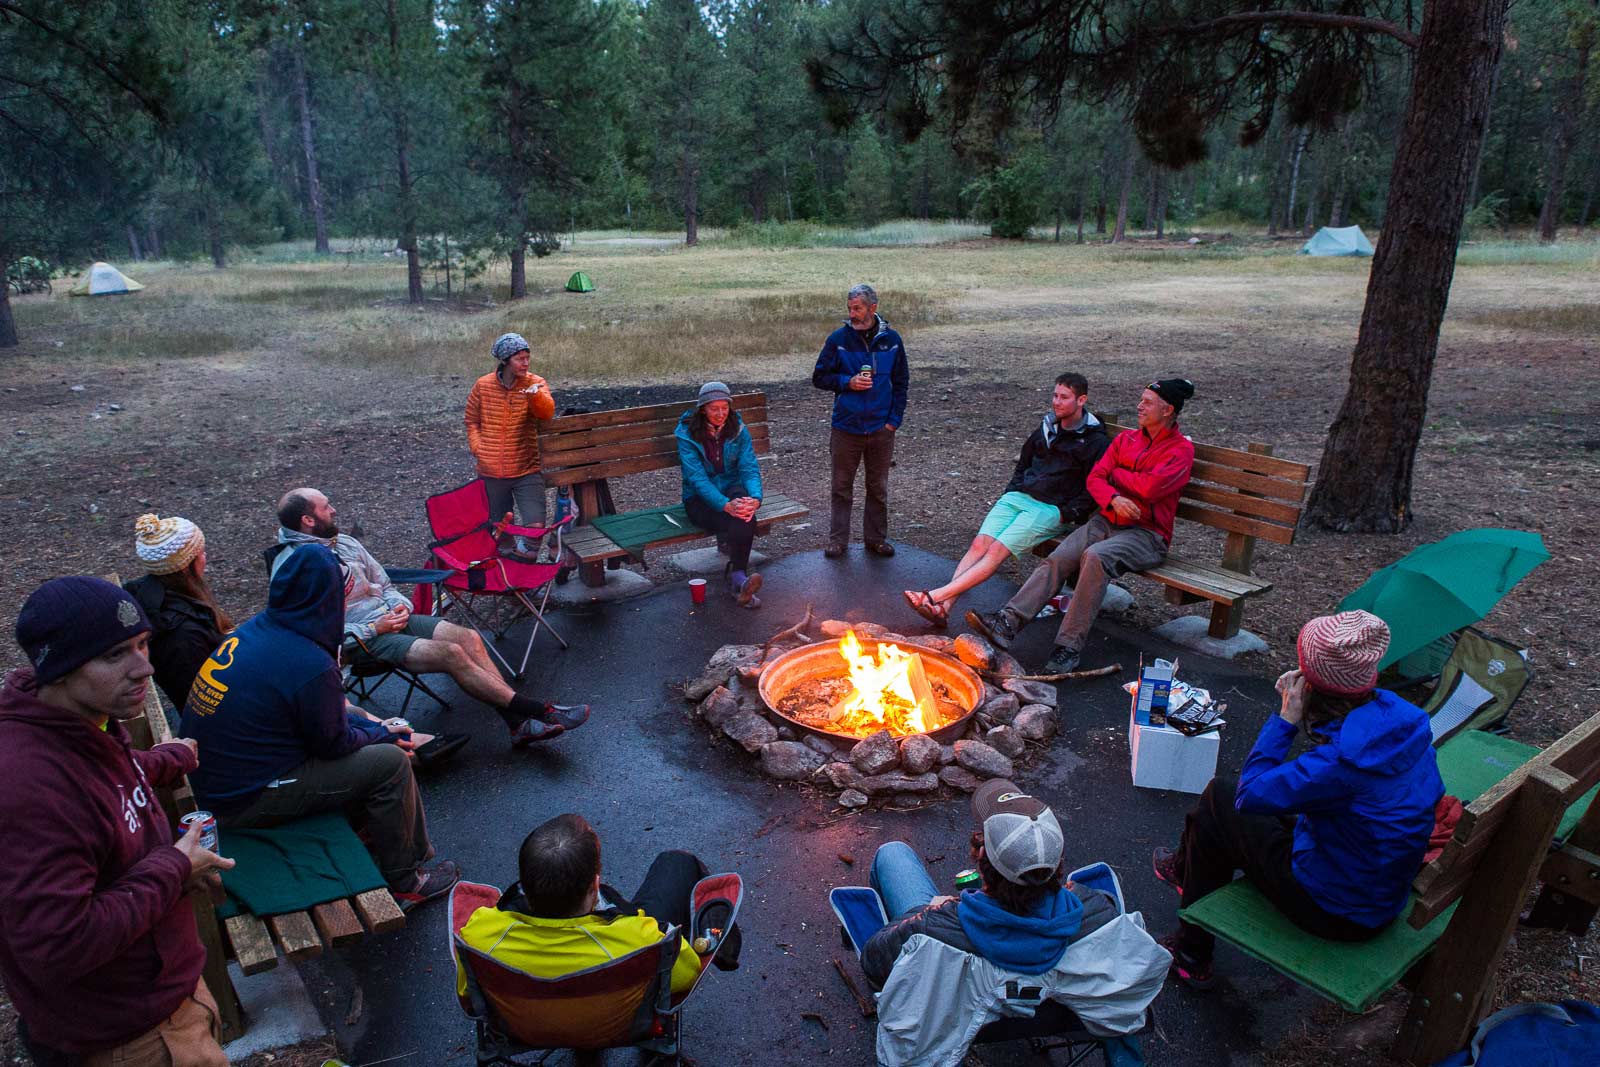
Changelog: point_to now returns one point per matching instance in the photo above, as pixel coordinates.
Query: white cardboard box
(1163, 758)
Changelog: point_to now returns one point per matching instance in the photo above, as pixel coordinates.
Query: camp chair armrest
(532, 531)
(455, 563)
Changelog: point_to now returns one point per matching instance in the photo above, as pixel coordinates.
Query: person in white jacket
(947, 966)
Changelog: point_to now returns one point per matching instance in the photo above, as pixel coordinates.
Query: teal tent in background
(579, 283)
(1340, 241)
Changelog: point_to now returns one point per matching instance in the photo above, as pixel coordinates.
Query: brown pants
(850, 451)
(187, 1038)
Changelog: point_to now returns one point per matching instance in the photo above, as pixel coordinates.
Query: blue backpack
(1533, 1035)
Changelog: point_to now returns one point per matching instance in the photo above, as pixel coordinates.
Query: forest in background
(471, 131)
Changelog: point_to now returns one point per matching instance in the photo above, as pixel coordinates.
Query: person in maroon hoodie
(1136, 485)
(98, 948)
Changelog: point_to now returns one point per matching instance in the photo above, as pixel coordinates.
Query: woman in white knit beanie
(187, 624)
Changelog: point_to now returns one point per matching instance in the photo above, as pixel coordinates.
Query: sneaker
(530, 730)
(1194, 973)
(566, 716)
(1062, 660)
(834, 550)
(995, 625)
(880, 548)
(746, 596)
(429, 883)
(1164, 862)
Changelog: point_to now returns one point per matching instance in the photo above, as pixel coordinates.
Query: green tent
(1338, 241)
(579, 283)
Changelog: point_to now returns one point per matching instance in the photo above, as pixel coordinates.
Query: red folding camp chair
(493, 592)
(626, 1002)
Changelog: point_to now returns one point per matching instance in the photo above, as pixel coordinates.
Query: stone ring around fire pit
(977, 729)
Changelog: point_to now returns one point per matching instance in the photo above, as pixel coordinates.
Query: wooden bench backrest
(1575, 758)
(1249, 494)
(610, 444)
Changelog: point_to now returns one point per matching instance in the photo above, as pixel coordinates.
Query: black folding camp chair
(1477, 686)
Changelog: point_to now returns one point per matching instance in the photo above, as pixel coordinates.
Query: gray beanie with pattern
(508, 345)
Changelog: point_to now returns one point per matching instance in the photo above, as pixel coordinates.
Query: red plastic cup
(697, 590)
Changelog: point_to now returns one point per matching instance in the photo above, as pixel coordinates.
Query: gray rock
(838, 775)
(1006, 741)
(1032, 692)
(789, 761)
(718, 707)
(983, 760)
(959, 778)
(749, 698)
(785, 734)
(750, 731)
(820, 745)
(875, 754)
(975, 652)
(1007, 664)
(900, 782)
(852, 798)
(724, 662)
(947, 755)
(919, 753)
(837, 627)
(990, 692)
(1036, 722)
(1002, 708)
(937, 643)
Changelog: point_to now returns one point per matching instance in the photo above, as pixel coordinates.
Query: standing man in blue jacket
(277, 741)
(863, 362)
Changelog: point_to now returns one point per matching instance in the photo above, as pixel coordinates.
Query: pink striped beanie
(1339, 653)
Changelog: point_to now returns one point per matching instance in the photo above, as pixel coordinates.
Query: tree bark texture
(1294, 176)
(8, 321)
(152, 239)
(1563, 137)
(1121, 232)
(133, 243)
(1364, 477)
(308, 142)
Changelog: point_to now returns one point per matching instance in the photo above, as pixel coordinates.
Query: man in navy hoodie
(863, 363)
(98, 947)
(278, 741)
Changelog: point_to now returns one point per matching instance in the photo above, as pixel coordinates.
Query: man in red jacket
(98, 947)
(1136, 485)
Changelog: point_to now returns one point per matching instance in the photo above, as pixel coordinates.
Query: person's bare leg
(975, 552)
(433, 655)
(975, 575)
(467, 639)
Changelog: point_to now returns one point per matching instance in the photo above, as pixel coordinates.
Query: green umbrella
(1443, 586)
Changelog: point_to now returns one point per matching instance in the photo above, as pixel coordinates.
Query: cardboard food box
(1162, 757)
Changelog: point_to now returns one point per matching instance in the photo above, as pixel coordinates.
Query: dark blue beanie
(69, 621)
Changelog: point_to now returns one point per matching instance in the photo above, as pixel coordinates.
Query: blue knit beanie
(69, 621)
(508, 345)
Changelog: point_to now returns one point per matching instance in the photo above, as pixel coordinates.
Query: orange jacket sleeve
(543, 403)
(475, 421)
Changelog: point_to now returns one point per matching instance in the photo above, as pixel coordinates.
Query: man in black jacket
(1045, 498)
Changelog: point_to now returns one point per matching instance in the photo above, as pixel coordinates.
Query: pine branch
(1313, 19)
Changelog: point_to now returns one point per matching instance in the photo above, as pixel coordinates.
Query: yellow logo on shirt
(206, 693)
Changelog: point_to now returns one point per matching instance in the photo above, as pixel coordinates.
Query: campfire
(854, 688)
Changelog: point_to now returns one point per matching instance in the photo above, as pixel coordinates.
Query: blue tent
(1340, 241)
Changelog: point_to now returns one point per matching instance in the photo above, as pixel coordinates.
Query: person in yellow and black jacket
(559, 919)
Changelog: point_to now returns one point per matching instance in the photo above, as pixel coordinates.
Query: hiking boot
(995, 625)
(1164, 862)
(1192, 971)
(566, 716)
(880, 548)
(428, 883)
(528, 731)
(834, 550)
(1062, 660)
(746, 594)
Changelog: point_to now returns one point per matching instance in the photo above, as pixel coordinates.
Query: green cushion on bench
(294, 866)
(634, 531)
(1355, 975)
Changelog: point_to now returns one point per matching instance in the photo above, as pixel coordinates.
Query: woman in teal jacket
(721, 483)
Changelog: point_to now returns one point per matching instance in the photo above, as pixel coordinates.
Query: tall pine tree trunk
(1275, 190)
(1364, 477)
(691, 200)
(219, 251)
(308, 143)
(1121, 232)
(1563, 135)
(408, 216)
(152, 239)
(133, 243)
(8, 321)
(1082, 201)
(1294, 177)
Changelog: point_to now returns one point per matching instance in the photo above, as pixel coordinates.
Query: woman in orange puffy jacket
(501, 411)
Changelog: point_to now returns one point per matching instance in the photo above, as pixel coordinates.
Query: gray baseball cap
(1021, 835)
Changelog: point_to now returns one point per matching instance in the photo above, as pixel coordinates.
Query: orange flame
(884, 694)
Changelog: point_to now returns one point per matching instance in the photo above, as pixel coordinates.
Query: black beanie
(1173, 390)
(69, 621)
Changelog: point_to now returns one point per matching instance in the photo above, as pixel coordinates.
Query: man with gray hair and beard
(863, 363)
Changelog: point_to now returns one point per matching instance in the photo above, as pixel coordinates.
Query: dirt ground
(1511, 441)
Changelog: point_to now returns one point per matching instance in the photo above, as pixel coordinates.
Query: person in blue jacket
(278, 742)
(721, 482)
(863, 363)
(1362, 798)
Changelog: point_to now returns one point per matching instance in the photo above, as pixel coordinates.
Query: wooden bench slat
(1227, 520)
(1271, 510)
(1273, 488)
(742, 402)
(1238, 458)
(296, 935)
(337, 923)
(379, 911)
(658, 444)
(653, 456)
(1210, 577)
(554, 446)
(252, 945)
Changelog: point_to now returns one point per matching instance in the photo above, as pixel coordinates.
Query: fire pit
(853, 688)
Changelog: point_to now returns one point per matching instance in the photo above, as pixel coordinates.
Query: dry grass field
(211, 392)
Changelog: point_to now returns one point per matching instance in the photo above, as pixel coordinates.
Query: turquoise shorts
(1019, 522)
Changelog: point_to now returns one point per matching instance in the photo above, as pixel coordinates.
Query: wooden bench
(1530, 818)
(1247, 494)
(254, 942)
(582, 450)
